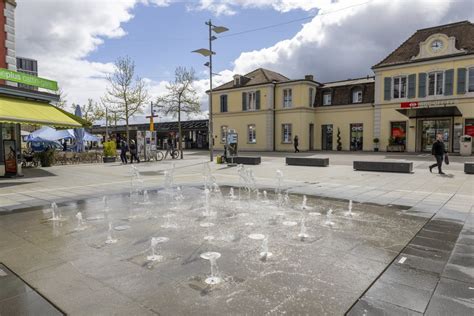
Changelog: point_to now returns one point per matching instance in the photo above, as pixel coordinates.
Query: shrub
(46, 157)
(339, 142)
(110, 149)
(376, 140)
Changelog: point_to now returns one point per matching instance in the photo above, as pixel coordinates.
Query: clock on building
(436, 45)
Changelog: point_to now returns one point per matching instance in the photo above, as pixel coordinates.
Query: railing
(68, 157)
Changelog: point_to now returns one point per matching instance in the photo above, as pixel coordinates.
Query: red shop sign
(405, 105)
(469, 130)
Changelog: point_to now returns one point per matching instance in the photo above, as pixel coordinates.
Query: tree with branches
(126, 94)
(62, 102)
(92, 111)
(181, 97)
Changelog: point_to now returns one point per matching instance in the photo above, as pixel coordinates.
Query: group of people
(124, 148)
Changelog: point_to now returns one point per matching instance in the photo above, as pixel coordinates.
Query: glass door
(357, 139)
(431, 128)
(326, 133)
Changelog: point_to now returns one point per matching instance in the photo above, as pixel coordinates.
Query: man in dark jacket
(133, 152)
(438, 150)
(123, 151)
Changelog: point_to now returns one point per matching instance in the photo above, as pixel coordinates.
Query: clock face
(436, 45)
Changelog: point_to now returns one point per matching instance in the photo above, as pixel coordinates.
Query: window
(400, 87)
(327, 98)
(435, 83)
(286, 133)
(357, 95)
(251, 101)
(311, 97)
(236, 80)
(223, 133)
(287, 96)
(224, 103)
(470, 80)
(252, 135)
(398, 132)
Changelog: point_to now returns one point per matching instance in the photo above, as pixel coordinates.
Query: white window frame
(224, 129)
(252, 101)
(227, 103)
(327, 98)
(435, 88)
(286, 133)
(311, 97)
(468, 82)
(251, 134)
(359, 97)
(287, 98)
(402, 93)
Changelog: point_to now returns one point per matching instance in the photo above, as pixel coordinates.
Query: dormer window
(237, 80)
(357, 95)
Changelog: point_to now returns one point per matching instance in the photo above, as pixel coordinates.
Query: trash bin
(466, 145)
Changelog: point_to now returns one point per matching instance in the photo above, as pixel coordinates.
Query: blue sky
(161, 38)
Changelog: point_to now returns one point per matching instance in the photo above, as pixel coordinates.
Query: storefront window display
(398, 133)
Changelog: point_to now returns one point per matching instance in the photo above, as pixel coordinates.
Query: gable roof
(462, 31)
(256, 77)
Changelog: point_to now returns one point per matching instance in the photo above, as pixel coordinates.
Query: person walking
(438, 150)
(296, 143)
(123, 152)
(169, 147)
(133, 152)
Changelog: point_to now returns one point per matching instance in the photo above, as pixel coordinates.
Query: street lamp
(208, 53)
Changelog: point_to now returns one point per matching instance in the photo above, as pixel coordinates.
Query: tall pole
(106, 124)
(211, 137)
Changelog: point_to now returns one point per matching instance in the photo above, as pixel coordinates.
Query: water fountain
(214, 278)
(56, 213)
(303, 235)
(349, 211)
(265, 254)
(279, 175)
(146, 198)
(155, 241)
(110, 235)
(169, 223)
(80, 222)
(231, 194)
(329, 216)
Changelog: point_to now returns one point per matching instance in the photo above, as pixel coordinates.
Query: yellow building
(424, 87)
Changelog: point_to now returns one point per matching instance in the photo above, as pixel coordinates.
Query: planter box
(109, 159)
(384, 166)
(469, 167)
(303, 161)
(245, 160)
(397, 148)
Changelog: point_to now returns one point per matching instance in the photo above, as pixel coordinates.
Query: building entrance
(429, 128)
(326, 134)
(357, 139)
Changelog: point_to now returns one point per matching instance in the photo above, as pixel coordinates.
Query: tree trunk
(180, 147)
(126, 125)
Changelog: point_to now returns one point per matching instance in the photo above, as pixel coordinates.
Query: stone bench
(245, 160)
(307, 161)
(469, 167)
(384, 166)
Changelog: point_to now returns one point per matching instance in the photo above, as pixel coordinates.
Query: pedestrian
(169, 147)
(133, 152)
(295, 143)
(123, 152)
(438, 150)
(65, 145)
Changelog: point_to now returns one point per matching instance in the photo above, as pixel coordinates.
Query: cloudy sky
(77, 41)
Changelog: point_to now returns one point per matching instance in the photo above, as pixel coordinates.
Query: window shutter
(387, 88)
(257, 99)
(412, 86)
(461, 81)
(244, 101)
(448, 82)
(422, 85)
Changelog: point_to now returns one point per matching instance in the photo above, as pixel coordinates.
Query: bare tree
(125, 95)
(62, 103)
(92, 111)
(181, 97)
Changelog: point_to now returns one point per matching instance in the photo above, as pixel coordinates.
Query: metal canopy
(431, 112)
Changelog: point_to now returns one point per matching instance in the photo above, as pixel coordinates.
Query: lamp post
(208, 53)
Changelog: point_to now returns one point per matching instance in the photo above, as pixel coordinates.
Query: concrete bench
(307, 161)
(469, 167)
(245, 160)
(384, 166)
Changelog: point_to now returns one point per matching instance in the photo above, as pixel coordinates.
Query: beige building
(424, 87)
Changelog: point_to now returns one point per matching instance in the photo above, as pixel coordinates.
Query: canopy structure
(37, 113)
(50, 134)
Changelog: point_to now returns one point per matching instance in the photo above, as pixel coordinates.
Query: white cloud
(231, 7)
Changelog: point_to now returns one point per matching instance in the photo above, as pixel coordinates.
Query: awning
(431, 112)
(36, 113)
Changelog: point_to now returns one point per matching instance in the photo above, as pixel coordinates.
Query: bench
(245, 160)
(304, 161)
(384, 166)
(469, 167)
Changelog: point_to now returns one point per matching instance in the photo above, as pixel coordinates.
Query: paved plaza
(406, 249)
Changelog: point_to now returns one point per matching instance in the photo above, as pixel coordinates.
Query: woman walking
(123, 151)
(296, 143)
(133, 152)
(438, 150)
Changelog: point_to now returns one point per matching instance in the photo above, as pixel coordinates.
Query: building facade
(28, 66)
(423, 88)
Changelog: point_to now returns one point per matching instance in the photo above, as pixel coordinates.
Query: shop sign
(469, 128)
(427, 104)
(30, 80)
(9, 156)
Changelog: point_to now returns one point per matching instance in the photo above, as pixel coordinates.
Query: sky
(77, 41)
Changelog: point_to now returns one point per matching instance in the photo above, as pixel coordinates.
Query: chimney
(309, 77)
